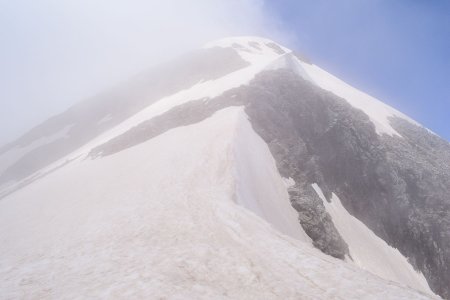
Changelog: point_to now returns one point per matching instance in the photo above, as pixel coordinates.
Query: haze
(54, 53)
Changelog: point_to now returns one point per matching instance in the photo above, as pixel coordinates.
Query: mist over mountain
(240, 170)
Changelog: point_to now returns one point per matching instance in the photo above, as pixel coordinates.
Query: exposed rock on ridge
(317, 137)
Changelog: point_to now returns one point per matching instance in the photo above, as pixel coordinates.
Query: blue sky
(54, 53)
(397, 51)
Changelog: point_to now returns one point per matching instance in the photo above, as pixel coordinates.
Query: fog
(54, 53)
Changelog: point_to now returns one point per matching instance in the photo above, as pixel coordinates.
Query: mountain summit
(240, 170)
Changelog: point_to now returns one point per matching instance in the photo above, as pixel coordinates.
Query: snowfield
(199, 212)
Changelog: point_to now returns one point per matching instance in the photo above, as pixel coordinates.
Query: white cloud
(56, 52)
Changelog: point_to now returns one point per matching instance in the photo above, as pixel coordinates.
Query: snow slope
(202, 90)
(162, 220)
(370, 252)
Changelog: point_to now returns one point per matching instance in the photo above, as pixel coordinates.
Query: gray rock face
(317, 222)
(397, 186)
(421, 165)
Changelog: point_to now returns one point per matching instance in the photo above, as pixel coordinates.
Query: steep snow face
(370, 252)
(160, 220)
(259, 186)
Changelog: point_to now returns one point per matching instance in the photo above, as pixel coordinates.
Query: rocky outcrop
(317, 222)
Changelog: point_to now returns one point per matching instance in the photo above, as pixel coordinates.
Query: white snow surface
(260, 188)
(370, 252)
(163, 220)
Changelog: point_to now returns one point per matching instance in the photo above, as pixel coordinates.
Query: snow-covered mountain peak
(218, 175)
(268, 54)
